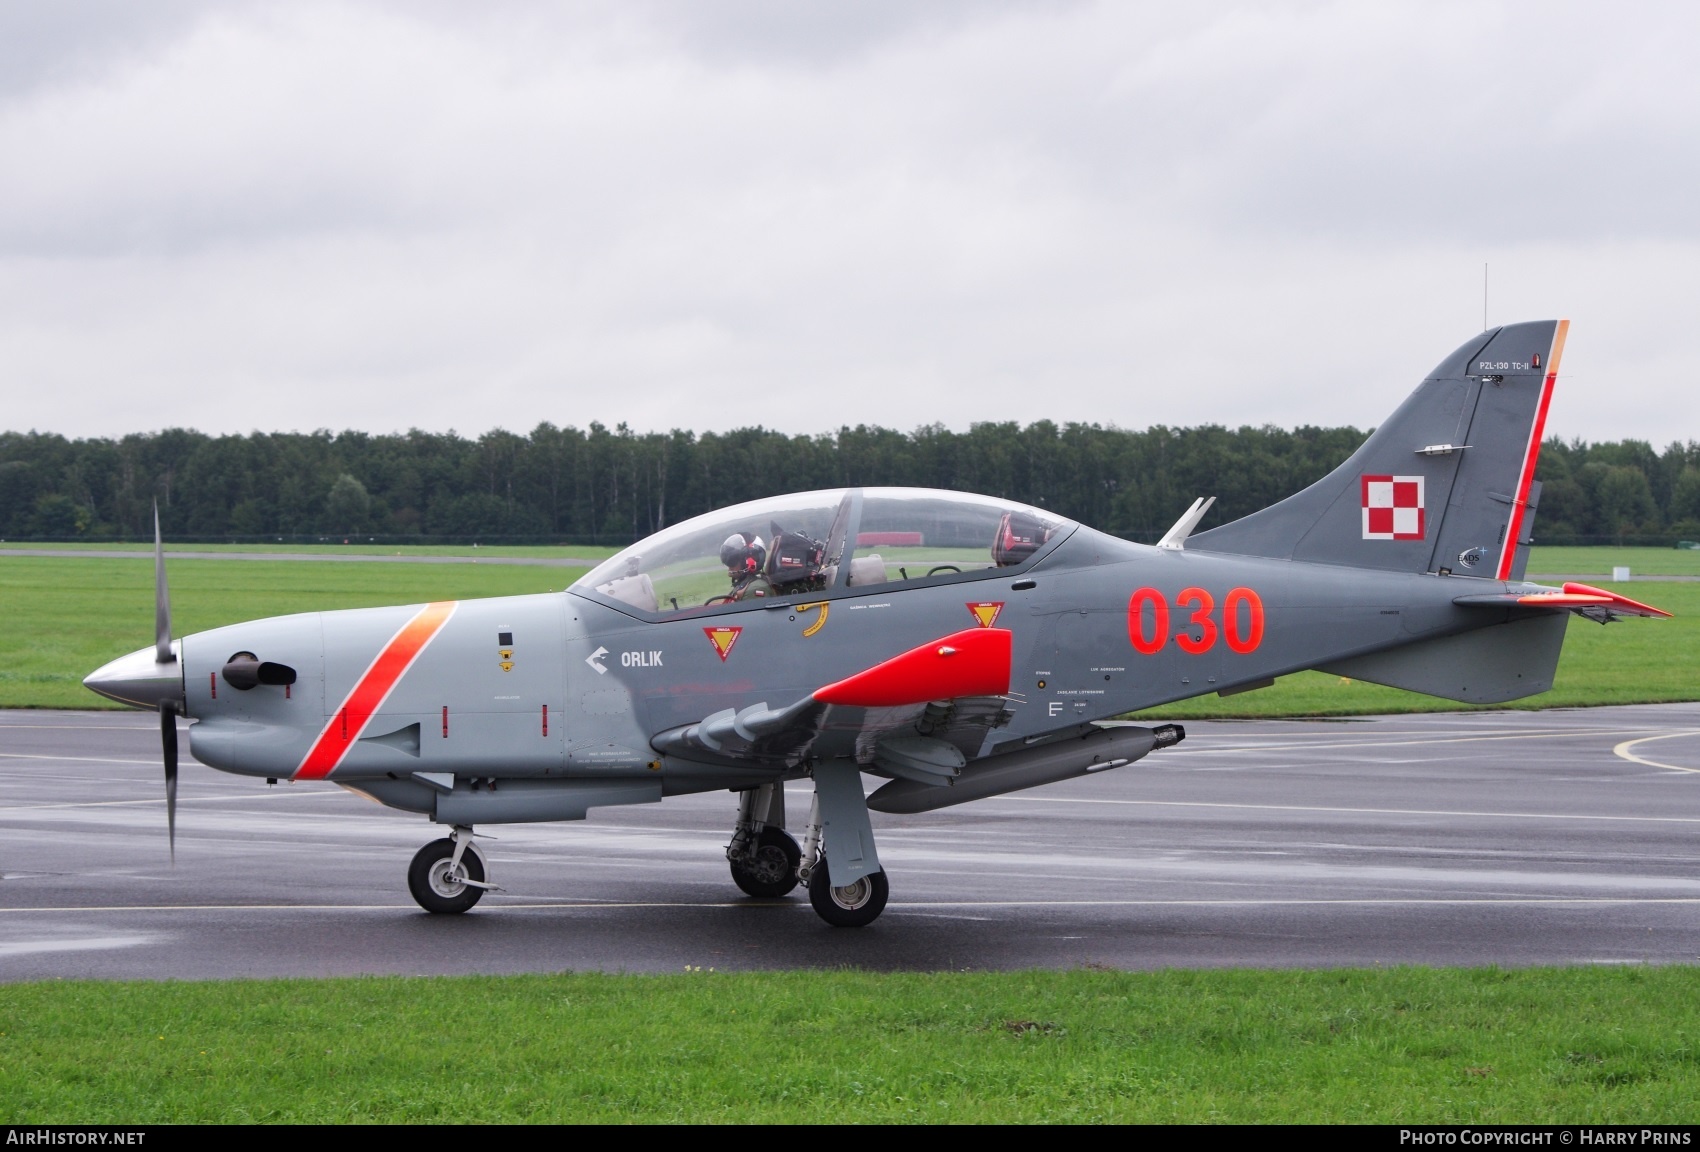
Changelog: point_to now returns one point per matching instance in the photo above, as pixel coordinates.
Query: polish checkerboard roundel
(1393, 507)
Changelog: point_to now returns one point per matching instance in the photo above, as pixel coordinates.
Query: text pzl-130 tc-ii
(955, 646)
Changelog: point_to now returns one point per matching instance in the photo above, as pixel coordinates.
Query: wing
(1583, 599)
(927, 711)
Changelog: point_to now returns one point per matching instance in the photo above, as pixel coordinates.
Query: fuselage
(560, 685)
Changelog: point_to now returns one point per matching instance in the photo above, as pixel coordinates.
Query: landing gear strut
(763, 857)
(839, 804)
(447, 875)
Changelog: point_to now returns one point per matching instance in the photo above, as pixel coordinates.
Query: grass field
(65, 617)
(540, 551)
(1596, 1045)
(1600, 561)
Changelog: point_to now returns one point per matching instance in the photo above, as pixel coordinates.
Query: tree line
(604, 485)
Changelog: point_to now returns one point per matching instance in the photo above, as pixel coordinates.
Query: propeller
(168, 744)
(162, 654)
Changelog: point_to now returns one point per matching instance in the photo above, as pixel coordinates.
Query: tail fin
(1447, 484)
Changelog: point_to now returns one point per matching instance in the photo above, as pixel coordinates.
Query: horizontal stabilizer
(1595, 603)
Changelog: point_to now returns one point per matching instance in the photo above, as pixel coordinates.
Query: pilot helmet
(743, 555)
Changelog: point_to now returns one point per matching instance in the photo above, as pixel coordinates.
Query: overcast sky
(706, 215)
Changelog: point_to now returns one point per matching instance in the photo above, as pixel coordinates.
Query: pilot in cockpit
(745, 558)
(785, 563)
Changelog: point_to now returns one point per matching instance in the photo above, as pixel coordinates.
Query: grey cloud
(72, 41)
(803, 215)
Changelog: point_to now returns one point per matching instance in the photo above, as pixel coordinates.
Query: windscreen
(822, 542)
(750, 551)
(907, 534)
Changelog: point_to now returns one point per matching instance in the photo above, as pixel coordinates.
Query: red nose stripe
(346, 724)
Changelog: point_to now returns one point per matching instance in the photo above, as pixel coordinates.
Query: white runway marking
(83, 727)
(1358, 811)
(1331, 744)
(76, 759)
(182, 805)
(1623, 750)
(409, 907)
(802, 906)
(84, 944)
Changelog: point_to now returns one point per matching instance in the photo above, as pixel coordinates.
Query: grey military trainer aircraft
(954, 646)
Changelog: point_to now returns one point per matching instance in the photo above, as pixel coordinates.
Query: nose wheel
(447, 875)
(763, 857)
(769, 869)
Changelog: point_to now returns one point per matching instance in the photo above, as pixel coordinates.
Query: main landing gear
(855, 904)
(448, 875)
(766, 862)
(859, 902)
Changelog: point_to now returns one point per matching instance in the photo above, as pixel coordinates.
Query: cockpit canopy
(822, 542)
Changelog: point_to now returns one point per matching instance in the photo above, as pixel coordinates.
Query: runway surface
(1475, 838)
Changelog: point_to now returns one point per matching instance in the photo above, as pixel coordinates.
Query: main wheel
(429, 880)
(851, 906)
(772, 872)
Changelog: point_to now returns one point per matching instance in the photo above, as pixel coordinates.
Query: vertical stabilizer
(1447, 482)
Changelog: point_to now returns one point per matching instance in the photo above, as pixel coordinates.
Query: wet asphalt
(1517, 838)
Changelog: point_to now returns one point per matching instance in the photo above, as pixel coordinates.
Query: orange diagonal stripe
(349, 720)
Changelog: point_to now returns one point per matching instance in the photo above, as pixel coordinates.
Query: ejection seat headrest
(638, 591)
(867, 570)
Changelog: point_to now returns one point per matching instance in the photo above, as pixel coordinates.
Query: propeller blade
(168, 745)
(162, 653)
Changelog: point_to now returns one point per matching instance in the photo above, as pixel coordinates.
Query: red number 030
(1148, 617)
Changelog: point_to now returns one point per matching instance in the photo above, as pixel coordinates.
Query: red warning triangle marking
(986, 612)
(722, 639)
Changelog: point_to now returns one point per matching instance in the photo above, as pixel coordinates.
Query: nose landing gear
(447, 875)
(769, 868)
(762, 856)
